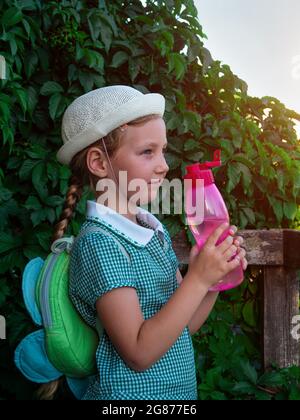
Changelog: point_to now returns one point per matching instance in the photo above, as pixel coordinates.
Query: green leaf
(206, 59)
(49, 88)
(39, 179)
(249, 372)
(57, 105)
(246, 175)
(8, 242)
(5, 106)
(5, 194)
(119, 58)
(249, 313)
(290, 210)
(249, 214)
(4, 293)
(190, 144)
(36, 152)
(272, 379)
(106, 37)
(32, 251)
(30, 63)
(11, 260)
(38, 216)
(191, 123)
(277, 207)
(134, 67)
(54, 201)
(11, 17)
(195, 156)
(44, 239)
(32, 203)
(26, 169)
(22, 98)
(95, 24)
(244, 387)
(234, 176)
(177, 65)
(86, 81)
(32, 99)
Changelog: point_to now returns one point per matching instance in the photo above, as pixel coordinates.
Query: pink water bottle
(205, 210)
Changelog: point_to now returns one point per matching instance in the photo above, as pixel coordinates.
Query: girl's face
(142, 156)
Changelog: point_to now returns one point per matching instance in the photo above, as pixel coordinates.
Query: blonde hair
(81, 177)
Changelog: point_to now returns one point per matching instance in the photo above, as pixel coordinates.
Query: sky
(260, 41)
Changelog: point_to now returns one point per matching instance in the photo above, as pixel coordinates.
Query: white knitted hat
(95, 114)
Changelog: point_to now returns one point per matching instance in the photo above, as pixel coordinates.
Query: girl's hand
(237, 241)
(214, 261)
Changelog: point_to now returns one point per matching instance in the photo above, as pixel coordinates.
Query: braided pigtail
(73, 196)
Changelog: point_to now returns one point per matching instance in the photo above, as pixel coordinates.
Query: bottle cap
(202, 170)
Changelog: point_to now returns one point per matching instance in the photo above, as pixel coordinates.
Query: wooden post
(277, 251)
(280, 305)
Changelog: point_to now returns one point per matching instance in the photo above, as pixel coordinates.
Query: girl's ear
(96, 162)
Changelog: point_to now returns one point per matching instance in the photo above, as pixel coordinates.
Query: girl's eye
(149, 151)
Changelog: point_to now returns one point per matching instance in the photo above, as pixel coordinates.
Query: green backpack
(65, 345)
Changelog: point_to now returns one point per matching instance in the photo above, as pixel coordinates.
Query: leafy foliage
(58, 50)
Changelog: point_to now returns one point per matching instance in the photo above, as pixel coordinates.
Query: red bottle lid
(202, 170)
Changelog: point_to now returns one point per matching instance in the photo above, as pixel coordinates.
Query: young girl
(147, 310)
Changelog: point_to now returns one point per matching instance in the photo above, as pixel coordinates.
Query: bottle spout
(216, 161)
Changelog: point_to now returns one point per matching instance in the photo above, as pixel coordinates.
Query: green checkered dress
(98, 266)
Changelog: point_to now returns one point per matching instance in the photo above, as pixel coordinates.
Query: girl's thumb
(194, 252)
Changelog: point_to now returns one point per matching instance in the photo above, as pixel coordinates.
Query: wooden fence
(277, 252)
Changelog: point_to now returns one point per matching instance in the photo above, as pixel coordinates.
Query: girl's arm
(142, 342)
(202, 312)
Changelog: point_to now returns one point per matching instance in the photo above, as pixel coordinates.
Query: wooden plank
(280, 305)
(264, 247)
(291, 240)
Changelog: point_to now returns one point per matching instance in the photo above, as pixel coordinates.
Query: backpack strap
(92, 229)
(67, 243)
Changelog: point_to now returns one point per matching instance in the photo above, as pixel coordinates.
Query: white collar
(120, 224)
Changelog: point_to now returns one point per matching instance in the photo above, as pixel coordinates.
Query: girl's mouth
(156, 182)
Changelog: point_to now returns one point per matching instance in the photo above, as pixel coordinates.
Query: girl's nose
(164, 166)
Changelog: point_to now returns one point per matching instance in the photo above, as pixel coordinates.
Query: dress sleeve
(100, 267)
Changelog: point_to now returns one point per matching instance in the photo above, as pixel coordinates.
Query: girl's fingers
(227, 243)
(245, 264)
(238, 240)
(242, 254)
(213, 238)
(230, 252)
(232, 230)
(234, 263)
(193, 253)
